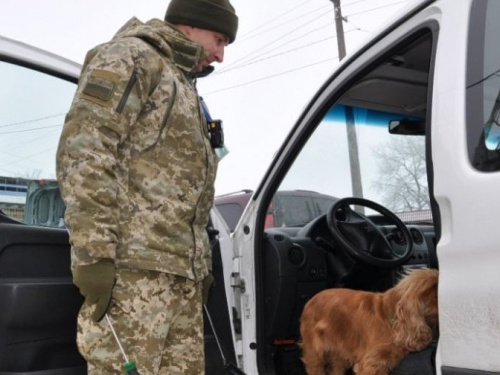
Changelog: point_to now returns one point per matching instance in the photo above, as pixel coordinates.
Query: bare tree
(401, 163)
(32, 175)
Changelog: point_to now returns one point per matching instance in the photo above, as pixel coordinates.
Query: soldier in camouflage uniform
(136, 170)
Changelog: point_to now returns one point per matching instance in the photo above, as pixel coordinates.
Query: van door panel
(38, 321)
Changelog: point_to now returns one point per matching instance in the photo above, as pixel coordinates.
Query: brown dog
(370, 332)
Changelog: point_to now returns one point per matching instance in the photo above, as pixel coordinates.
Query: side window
(371, 142)
(33, 106)
(483, 87)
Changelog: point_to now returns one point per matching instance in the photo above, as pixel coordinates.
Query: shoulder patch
(100, 86)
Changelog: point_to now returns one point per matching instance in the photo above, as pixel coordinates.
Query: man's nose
(219, 55)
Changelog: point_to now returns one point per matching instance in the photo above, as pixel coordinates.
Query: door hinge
(237, 282)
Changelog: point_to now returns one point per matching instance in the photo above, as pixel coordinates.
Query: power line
(253, 58)
(273, 19)
(356, 2)
(269, 44)
(18, 160)
(247, 61)
(252, 61)
(270, 76)
(279, 54)
(248, 35)
(285, 23)
(23, 142)
(32, 129)
(374, 9)
(266, 23)
(31, 121)
(284, 52)
(356, 26)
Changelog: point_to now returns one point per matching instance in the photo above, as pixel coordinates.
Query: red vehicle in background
(289, 208)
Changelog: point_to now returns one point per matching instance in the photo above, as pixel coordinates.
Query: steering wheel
(362, 239)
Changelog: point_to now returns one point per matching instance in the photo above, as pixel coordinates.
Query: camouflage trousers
(158, 318)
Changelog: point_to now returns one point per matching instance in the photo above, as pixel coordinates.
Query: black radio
(216, 133)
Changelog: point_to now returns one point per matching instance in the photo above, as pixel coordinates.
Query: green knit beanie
(215, 15)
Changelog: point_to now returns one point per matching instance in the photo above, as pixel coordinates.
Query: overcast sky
(284, 51)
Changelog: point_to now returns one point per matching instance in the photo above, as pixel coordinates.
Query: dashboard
(300, 262)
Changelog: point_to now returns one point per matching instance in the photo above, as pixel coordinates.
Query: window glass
(292, 210)
(33, 106)
(323, 204)
(483, 86)
(371, 142)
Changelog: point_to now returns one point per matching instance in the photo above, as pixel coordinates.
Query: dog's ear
(410, 328)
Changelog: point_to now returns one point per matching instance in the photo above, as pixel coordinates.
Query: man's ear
(185, 29)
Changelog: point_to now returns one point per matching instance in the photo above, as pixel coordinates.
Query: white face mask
(221, 152)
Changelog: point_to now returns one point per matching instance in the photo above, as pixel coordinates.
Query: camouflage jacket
(134, 163)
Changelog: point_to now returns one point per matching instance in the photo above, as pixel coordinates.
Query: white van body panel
(468, 251)
(20, 51)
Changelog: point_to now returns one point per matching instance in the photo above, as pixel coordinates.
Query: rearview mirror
(407, 127)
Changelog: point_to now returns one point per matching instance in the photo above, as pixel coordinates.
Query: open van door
(39, 302)
(410, 122)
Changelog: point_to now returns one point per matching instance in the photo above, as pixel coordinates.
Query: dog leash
(229, 368)
(129, 367)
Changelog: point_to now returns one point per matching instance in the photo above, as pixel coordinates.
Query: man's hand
(96, 282)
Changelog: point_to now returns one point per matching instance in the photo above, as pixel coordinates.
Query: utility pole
(339, 25)
(357, 188)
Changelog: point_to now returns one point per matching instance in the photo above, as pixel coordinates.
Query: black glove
(96, 282)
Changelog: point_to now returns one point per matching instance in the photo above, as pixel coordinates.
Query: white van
(409, 121)
(405, 133)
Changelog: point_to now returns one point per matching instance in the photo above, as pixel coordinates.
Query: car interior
(366, 146)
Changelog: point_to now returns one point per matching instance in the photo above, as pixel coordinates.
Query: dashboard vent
(399, 238)
(417, 236)
(296, 256)
(278, 237)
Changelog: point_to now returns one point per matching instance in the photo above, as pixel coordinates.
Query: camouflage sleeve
(109, 97)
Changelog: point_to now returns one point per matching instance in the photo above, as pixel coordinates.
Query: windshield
(371, 143)
(379, 166)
